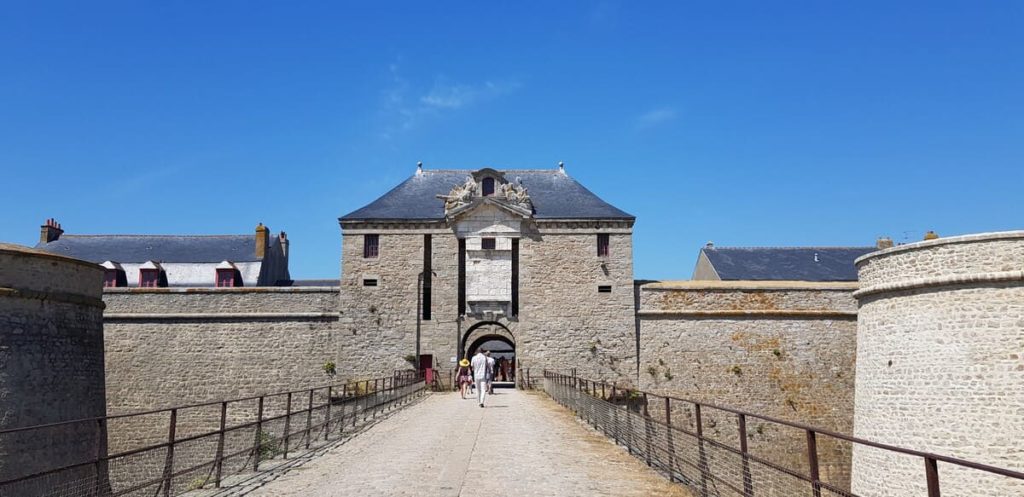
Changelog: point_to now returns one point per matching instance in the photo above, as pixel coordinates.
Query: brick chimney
(883, 242)
(262, 238)
(283, 238)
(50, 231)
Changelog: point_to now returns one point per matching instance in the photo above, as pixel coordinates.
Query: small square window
(604, 289)
(487, 243)
(602, 245)
(369, 282)
(225, 278)
(110, 278)
(371, 246)
(149, 278)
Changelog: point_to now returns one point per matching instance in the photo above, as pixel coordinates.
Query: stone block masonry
(51, 367)
(782, 349)
(940, 363)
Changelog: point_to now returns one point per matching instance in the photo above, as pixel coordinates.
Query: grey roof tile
(555, 195)
(162, 248)
(786, 263)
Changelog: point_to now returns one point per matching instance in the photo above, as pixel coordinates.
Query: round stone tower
(51, 368)
(940, 363)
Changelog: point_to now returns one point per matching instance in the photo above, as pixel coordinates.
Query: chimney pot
(930, 235)
(50, 231)
(883, 242)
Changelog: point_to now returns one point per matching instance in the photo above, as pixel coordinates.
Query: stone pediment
(478, 204)
(464, 197)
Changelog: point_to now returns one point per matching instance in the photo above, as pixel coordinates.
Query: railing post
(748, 482)
(169, 462)
(258, 436)
(287, 423)
(327, 414)
(668, 435)
(702, 461)
(344, 400)
(309, 419)
(812, 459)
(101, 465)
(615, 415)
(931, 471)
(220, 443)
(647, 431)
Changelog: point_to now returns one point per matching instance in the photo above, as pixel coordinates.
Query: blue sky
(745, 123)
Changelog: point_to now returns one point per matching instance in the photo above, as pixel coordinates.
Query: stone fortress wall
(941, 331)
(784, 349)
(51, 365)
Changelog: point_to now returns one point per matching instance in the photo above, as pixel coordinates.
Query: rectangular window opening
(602, 245)
(487, 243)
(110, 278)
(604, 289)
(149, 278)
(369, 281)
(225, 278)
(371, 246)
(428, 280)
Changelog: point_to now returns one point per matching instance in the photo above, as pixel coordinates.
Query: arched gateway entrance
(495, 337)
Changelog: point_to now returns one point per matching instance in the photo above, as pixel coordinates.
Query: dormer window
(113, 275)
(228, 275)
(151, 275)
(487, 187)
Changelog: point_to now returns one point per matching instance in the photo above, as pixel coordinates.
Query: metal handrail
(370, 389)
(930, 459)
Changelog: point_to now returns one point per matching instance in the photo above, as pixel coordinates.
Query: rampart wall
(51, 368)
(941, 363)
(782, 349)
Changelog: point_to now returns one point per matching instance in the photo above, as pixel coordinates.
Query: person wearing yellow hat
(465, 376)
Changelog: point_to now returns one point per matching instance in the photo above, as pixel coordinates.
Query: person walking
(479, 364)
(492, 367)
(464, 376)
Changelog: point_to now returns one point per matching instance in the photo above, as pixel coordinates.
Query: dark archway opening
(499, 341)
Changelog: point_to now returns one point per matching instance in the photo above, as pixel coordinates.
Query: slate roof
(786, 263)
(555, 195)
(161, 248)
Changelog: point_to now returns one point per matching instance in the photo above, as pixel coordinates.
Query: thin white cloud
(404, 107)
(456, 96)
(655, 117)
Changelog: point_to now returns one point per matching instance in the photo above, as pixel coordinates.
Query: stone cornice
(979, 237)
(219, 316)
(979, 279)
(219, 290)
(751, 313)
(59, 297)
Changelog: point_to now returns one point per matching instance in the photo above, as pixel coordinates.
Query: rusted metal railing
(682, 453)
(205, 442)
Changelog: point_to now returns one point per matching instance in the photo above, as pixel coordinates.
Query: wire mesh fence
(201, 446)
(707, 447)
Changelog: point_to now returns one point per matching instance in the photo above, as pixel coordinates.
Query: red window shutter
(110, 277)
(149, 278)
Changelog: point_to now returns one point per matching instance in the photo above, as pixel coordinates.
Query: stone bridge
(522, 443)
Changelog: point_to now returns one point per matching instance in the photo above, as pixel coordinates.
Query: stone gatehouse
(452, 258)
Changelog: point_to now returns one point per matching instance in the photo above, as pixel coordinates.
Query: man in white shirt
(480, 374)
